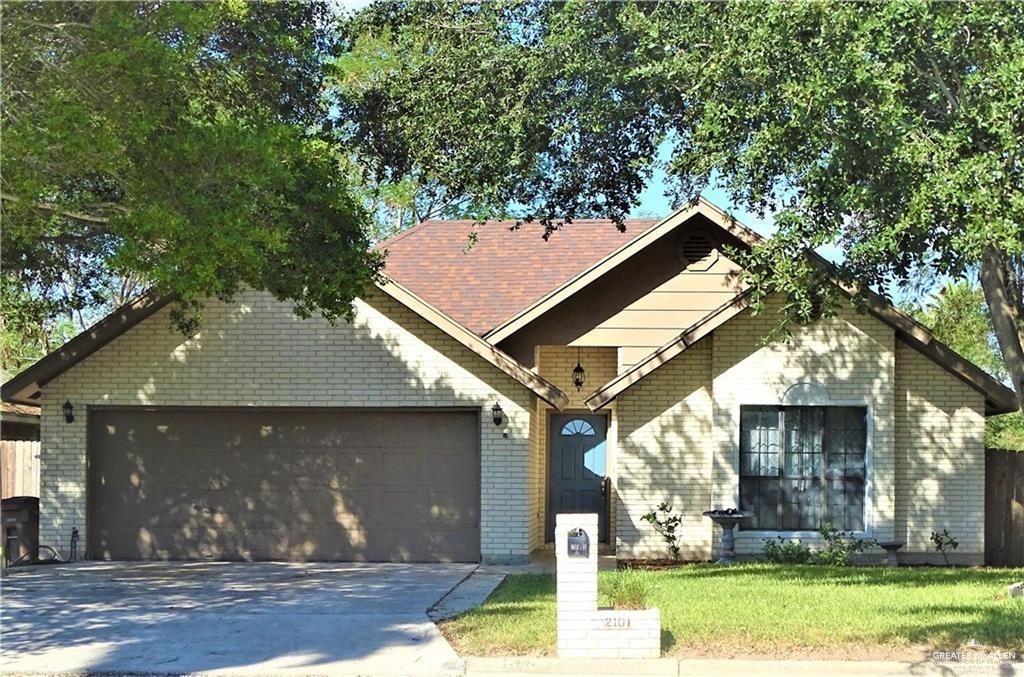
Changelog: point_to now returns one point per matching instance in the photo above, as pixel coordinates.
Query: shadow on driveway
(235, 617)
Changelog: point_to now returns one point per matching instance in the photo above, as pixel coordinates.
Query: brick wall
(940, 458)
(664, 455)
(679, 432)
(851, 359)
(677, 429)
(255, 352)
(680, 426)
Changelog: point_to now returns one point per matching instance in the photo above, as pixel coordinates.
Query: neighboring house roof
(483, 281)
(19, 413)
(26, 385)
(19, 409)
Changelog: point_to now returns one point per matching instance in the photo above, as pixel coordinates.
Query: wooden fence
(19, 468)
(1004, 508)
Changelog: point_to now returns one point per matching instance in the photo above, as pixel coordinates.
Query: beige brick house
(447, 420)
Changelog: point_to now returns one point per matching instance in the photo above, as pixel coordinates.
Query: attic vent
(697, 252)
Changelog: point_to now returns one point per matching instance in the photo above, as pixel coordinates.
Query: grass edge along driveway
(777, 611)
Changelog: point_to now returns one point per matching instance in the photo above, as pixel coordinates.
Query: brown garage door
(365, 485)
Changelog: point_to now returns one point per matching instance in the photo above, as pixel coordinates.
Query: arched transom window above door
(577, 426)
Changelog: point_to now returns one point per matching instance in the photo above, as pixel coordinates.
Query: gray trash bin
(20, 517)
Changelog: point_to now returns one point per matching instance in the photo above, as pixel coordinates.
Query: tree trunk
(1005, 317)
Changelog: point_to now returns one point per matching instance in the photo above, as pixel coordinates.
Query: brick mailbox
(584, 631)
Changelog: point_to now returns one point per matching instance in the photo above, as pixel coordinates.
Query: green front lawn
(762, 609)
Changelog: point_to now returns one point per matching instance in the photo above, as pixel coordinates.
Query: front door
(577, 469)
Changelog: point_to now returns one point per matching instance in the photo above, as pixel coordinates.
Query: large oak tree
(893, 130)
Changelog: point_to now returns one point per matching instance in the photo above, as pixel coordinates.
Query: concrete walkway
(235, 618)
(470, 593)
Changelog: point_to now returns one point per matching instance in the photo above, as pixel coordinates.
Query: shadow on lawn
(989, 626)
(668, 640)
(524, 588)
(501, 611)
(868, 576)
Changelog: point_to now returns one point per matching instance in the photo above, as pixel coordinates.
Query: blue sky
(653, 202)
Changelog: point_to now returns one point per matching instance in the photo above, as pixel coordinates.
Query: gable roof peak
(697, 208)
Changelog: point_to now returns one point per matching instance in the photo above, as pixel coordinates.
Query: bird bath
(727, 519)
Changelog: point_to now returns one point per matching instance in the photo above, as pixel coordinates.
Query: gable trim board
(998, 398)
(24, 388)
(540, 387)
(639, 243)
(618, 385)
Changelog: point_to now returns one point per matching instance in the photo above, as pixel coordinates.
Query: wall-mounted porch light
(497, 413)
(69, 411)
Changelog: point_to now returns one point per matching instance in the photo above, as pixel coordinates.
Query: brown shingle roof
(505, 270)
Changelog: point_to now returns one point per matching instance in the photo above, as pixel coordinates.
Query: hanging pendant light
(579, 374)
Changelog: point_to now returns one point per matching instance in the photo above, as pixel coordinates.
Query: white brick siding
(664, 455)
(255, 352)
(940, 460)
(851, 355)
(678, 432)
(672, 437)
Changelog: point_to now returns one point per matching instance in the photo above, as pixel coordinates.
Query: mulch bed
(653, 564)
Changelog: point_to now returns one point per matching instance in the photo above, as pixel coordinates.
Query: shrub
(629, 589)
(780, 551)
(839, 546)
(944, 540)
(665, 523)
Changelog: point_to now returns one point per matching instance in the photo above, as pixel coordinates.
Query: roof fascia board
(23, 388)
(998, 398)
(665, 353)
(1002, 399)
(539, 386)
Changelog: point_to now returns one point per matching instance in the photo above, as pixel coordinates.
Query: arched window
(577, 426)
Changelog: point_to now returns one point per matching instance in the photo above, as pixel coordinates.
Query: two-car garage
(284, 484)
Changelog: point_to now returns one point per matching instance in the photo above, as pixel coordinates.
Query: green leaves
(185, 146)
(878, 125)
(891, 130)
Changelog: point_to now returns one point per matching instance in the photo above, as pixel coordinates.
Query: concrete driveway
(255, 618)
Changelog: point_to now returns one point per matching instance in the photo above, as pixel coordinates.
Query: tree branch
(57, 209)
(936, 77)
(1005, 316)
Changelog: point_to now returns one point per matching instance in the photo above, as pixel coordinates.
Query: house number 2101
(614, 622)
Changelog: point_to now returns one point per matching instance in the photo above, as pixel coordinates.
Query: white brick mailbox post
(584, 631)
